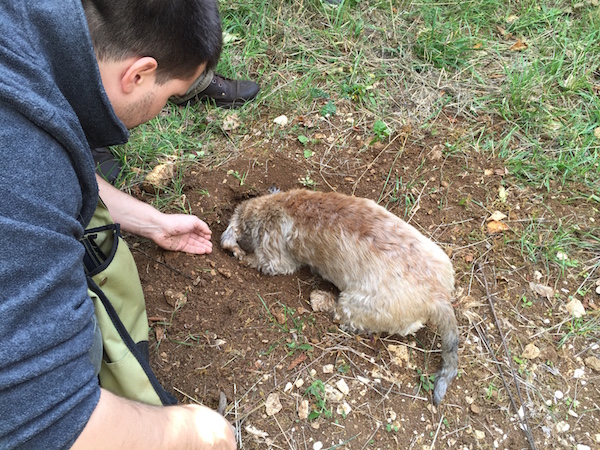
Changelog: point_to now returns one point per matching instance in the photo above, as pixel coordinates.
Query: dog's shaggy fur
(391, 278)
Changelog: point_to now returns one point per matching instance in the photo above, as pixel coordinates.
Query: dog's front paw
(238, 252)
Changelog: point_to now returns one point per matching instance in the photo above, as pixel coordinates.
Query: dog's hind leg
(445, 320)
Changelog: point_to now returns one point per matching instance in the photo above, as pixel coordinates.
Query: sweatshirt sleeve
(48, 389)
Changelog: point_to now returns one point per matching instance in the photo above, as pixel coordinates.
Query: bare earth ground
(217, 325)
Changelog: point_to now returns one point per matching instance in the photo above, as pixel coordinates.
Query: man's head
(150, 49)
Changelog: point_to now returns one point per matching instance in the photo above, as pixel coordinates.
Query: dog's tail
(447, 328)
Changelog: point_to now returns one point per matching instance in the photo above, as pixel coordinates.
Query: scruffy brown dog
(391, 278)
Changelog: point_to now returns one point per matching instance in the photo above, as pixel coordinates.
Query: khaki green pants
(115, 289)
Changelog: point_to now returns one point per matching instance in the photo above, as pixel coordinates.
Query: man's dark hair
(180, 34)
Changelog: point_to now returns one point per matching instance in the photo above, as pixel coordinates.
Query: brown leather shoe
(227, 93)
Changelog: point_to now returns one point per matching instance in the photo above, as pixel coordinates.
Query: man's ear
(141, 72)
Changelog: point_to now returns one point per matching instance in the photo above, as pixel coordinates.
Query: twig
(186, 395)
(436, 432)
(523, 420)
(371, 437)
(283, 433)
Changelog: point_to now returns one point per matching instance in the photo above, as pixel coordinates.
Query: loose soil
(220, 326)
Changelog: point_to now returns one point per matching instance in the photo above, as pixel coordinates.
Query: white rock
(344, 409)
(328, 368)
(578, 373)
(303, 409)
(583, 447)
(317, 445)
(342, 386)
(363, 380)
(288, 387)
(575, 308)
(332, 394)
(530, 352)
(273, 405)
(399, 354)
(256, 432)
(562, 427)
(479, 435)
(282, 120)
(558, 395)
(299, 383)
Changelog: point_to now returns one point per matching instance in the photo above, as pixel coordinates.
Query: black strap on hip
(142, 357)
(94, 260)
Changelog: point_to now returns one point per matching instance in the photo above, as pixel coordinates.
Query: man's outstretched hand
(182, 233)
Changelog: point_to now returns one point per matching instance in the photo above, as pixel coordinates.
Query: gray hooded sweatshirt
(52, 109)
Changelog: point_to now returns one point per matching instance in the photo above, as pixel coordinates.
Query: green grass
(392, 64)
(306, 56)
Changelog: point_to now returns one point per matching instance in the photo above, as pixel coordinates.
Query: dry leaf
(160, 334)
(593, 363)
(496, 226)
(505, 34)
(302, 310)
(530, 352)
(280, 316)
(542, 290)
(308, 122)
(301, 358)
(518, 46)
(157, 319)
(497, 216)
